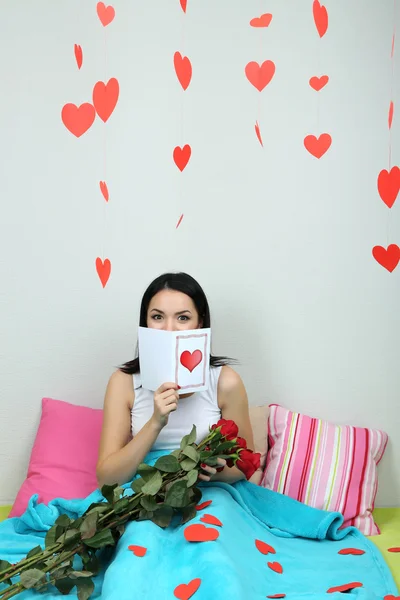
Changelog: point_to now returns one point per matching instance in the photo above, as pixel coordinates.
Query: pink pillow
(326, 466)
(64, 454)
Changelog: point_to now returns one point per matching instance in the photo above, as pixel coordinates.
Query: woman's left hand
(211, 470)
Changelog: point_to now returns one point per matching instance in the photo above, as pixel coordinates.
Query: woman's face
(172, 311)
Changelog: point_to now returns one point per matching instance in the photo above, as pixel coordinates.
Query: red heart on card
(181, 156)
(354, 551)
(203, 505)
(103, 270)
(105, 98)
(190, 360)
(317, 146)
(260, 75)
(211, 520)
(320, 17)
(394, 549)
(389, 259)
(200, 533)
(317, 83)
(344, 588)
(389, 185)
(264, 548)
(183, 69)
(277, 596)
(262, 21)
(78, 119)
(275, 566)
(138, 550)
(186, 590)
(106, 14)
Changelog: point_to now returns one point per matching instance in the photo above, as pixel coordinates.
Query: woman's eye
(156, 317)
(184, 317)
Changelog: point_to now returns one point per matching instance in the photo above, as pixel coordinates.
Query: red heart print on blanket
(203, 505)
(391, 597)
(394, 549)
(345, 588)
(184, 591)
(354, 551)
(200, 533)
(275, 566)
(138, 550)
(260, 75)
(264, 548)
(389, 185)
(190, 360)
(277, 596)
(78, 119)
(211, 520)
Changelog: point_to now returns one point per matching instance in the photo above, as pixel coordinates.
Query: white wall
(280, 241)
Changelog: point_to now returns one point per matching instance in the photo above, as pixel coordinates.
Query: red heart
(389, 185)
(320, 17)
(183, 5)
(277, 596)
(200, 533)
(391, 109)
(260, 75)
(190, 360)
(344, 588)
(138, 550)
(317, 146)
(106, 13)
(183, 69)
(262, 21)
(389, 259)
(103, 270)
(264, 548)
(317, 83)
(78, 119)
(105, 97)
(391, 597)
(258, 133)
(354, 551)
(179, 221)
(394, 549)
(275, 566)
(181, 156)
(104, 190)
(78, 55)
(211, 520)
(186, 590)
(203, 505)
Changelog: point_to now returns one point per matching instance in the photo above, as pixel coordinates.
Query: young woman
(174, 302)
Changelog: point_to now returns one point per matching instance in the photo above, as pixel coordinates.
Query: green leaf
(188, 464)
(71, 535)
(137, 485)
(99, 507)
(190, 438)
(117, 493)
(146, 471)
(153, 485)
(192, 477)
(168, 464)
(101, 539)
(196, 495)
(89, 525)
(162, 517)
(32, 577)
(85, 588)
(177, 495)
(190, 452)
(52, 535)
(79, 574)
(65, 585)
(188, 513)
(149, 503)
(224, 446)
(175, 453)
(108, 492)
(134, 501)
(121, 505)
(145, 515)
(4, 564)
(63, 521)
(33, 552)
(211, 461)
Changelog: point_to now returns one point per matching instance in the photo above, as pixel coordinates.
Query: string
(392, 58)
(105, 151)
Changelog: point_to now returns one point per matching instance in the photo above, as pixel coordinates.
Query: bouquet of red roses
(160, 491)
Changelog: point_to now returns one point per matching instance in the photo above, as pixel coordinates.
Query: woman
(174, 302)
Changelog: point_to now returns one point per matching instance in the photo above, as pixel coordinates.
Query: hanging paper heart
(318, 146)
(211, 520)
(203, 505)
(106, 14)
(200, 533)
(78, 119)
(258, 133)
(264, 548)
(183, 5)
(78, 55)
(320, 18)
(103, 270)
(260, 75)
(190, 360)
(183, 69)
(389, 185)
(390, 118)
(275, 566)
(262, 21)
(353, 551)
(345, 588)
(184, 591)
(104, 190)
(317, 83)
(387, 258)
(138, 550)
(182, 156)
(179, 222)
(105, 98)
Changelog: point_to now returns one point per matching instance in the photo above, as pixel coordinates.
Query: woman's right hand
(165, 401)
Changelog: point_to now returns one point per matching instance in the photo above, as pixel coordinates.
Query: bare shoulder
(229, 381)
(120, 385)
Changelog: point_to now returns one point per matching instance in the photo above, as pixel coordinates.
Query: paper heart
(138, 550)
(78, 55)
(203, 505)
(277, 596)
(183, 69)
(275, 566)
(103, 270)
(183, 5)
(211, 520)
(318, 146)
(184, 591)
(190, 360)
(345, 588)
(104, 190)
(389, 185)
(320, 18)
(106, 14)
(262, 21)
(317, 83)
(78, 119)
(389, 259)
(264, 548)
(258, 133)
(181, 156)
(353, 551)
(260, 75)
(179, 222)
(105, 98)
(390, 118)
(394, 549)
(200, 533)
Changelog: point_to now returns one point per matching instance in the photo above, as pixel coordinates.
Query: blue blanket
(268, 546)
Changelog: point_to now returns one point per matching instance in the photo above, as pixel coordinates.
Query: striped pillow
(326, 466)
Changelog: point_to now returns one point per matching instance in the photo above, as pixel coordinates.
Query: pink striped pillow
(326, 466)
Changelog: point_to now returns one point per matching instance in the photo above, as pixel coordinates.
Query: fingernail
(203, 465)
(179, 387)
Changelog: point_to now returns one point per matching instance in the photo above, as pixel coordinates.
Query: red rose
(241, 442)
(248, 462)
(229, 428)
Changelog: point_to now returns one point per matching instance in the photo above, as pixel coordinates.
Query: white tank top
(200, 409)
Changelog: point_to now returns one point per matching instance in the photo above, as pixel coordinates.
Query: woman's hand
(165, 401)
(211, 470)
